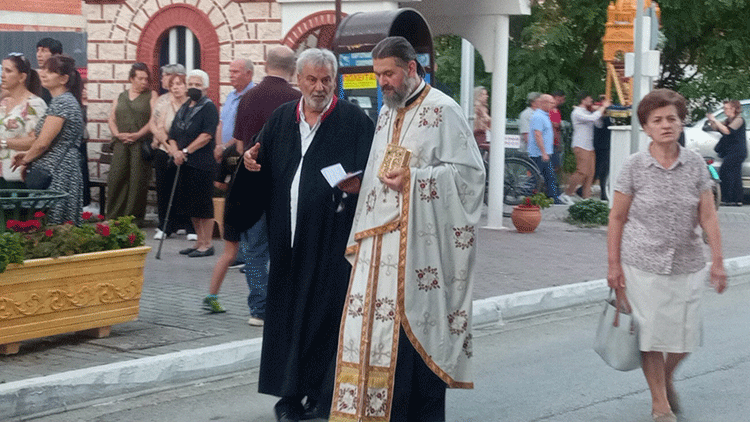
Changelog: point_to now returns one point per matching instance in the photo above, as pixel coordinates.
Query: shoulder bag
(617, 337)
(38, 177)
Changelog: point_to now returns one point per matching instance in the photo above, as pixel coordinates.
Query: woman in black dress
(191, 144)
(732, 149)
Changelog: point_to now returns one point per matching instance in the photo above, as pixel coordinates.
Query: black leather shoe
(200, 254)
(309, 410)
(187, 251)
(286, 412)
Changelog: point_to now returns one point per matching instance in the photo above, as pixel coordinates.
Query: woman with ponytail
(20, 110)
(58, 135)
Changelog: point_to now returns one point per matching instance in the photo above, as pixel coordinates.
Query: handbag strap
(616, 322)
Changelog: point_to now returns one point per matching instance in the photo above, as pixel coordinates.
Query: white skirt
(667, 309)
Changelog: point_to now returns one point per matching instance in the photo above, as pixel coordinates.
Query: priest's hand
(395, 179)
(350, 185)
(250, 158)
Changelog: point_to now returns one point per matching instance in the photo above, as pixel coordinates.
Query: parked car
(702, 138)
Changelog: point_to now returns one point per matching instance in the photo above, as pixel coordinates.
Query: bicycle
(522, 177)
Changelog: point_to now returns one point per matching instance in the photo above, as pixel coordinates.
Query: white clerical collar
(416, 92)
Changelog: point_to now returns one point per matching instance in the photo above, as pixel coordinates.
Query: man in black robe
(308, 226)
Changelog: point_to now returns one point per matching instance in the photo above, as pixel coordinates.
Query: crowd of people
(363, 282)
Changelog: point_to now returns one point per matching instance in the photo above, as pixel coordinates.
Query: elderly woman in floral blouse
(655, 255)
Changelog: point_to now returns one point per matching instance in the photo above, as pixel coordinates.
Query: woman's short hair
(203, 75)
(659, 98)
(318, 58)
(736, 105)
(139, 66)
(177, 76)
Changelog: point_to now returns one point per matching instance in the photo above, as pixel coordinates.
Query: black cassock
(307, 284)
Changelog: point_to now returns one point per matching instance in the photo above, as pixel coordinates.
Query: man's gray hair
(318, 58)
(173, 69)
(281, 58)
(533, 96)
(249, 66)
(203, 75)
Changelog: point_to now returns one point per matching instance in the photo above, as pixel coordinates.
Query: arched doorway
(162, 32)
(316, 30)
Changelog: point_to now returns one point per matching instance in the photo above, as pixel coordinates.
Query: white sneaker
(192, 237)
(181, 232)
(159, 235)
(255, 322)
(565, 199)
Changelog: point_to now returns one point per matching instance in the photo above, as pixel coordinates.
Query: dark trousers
(550, 179)
(418, 394)
(730, 174)
(601, 171)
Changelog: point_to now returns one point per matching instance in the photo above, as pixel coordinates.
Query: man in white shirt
(583, 143)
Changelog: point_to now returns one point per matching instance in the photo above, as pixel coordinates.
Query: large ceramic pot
(86, 292)
(526, 218)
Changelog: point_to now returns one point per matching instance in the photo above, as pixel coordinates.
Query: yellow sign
(360, 81)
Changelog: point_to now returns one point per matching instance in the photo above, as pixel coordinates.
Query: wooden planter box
(49, 296)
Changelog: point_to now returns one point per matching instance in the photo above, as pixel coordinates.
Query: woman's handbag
(617, 337)
(38, 177)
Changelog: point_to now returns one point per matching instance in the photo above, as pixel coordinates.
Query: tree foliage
(448, 60)
(558, 48)
(706, 52)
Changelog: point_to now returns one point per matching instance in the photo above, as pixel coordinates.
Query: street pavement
(172, 323)
(534, 369)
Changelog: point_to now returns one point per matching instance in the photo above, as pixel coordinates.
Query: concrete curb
(49, 393)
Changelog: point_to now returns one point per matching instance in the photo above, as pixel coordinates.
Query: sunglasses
(15, 55)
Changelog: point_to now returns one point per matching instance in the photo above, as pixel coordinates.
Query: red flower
(38, 214)
(69, 222)
(104, 230)
(11, 223)
(34, 224)
(528, 201)
(49, 233)
(100, 217)
(86, 215)
(131, 238)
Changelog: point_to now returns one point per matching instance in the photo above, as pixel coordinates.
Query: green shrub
(11, 251)
(589, 211)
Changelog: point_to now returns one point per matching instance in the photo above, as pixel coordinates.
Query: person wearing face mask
(191, 145)
(20, 110)
(129, 173)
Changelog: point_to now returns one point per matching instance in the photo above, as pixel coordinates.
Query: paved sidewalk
(171, 319)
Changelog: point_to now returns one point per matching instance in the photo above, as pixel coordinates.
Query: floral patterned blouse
(19, 121)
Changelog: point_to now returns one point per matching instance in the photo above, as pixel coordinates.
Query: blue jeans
(254, 249)
(550, 179)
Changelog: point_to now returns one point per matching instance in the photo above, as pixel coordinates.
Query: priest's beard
(395, 96)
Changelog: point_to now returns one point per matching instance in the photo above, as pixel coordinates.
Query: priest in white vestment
(406, 327)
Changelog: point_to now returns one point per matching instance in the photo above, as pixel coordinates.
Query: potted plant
(65, 278)
(527, 216)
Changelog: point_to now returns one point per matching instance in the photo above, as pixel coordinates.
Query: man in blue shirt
(541, 146)
(241, 78)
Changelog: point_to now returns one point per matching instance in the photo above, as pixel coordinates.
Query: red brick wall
(67, 7)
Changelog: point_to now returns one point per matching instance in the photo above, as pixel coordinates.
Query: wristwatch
(185, 151)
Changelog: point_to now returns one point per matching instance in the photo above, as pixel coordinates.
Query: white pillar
(172, 46)
(637, 76)
(499, 109)
(189, 52)
(467, 80)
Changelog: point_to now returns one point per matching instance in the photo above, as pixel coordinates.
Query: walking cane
(169, 208)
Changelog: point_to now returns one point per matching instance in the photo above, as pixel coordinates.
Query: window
(180, 45)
